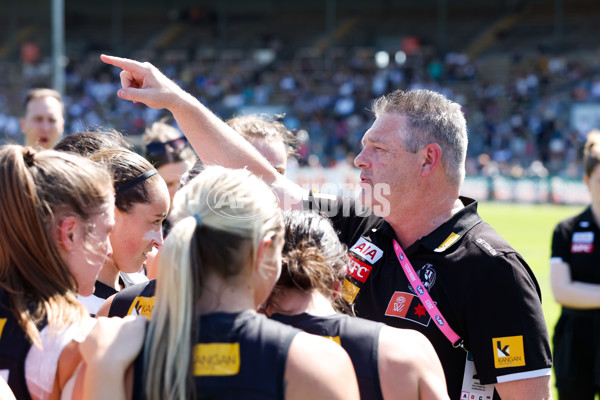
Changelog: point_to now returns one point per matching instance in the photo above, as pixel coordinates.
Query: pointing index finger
(123, 63)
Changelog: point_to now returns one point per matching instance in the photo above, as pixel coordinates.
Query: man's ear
(68, 233)
(432, 158)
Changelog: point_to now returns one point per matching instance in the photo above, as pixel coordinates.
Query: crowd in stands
(519, 121)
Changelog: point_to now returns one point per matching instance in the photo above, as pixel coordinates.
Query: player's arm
(319, 369)
(409, 367)
(108, 353)
(526, 389)
(5, 392)
(212, 139)
(570, 293)
(105, 307)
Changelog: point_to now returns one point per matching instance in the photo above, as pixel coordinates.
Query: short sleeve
(507, 332)
(561, 244)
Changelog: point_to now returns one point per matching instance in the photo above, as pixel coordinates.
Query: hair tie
(136, 180)
(198, 219)
(28, 157)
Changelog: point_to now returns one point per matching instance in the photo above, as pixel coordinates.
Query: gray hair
(431, 118)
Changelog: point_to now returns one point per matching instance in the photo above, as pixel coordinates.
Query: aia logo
(358, 269)
(367, 250)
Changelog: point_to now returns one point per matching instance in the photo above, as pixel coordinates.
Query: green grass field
(528, 228)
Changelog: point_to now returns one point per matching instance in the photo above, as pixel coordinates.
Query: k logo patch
(508, 351)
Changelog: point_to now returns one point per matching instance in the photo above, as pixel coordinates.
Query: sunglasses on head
(158, 148)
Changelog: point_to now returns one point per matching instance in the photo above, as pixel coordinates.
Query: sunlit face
(138, 231)
(93, 249)
(274, 151)
(593, 184)
(172, 173)
(386, 164)
(43, 123)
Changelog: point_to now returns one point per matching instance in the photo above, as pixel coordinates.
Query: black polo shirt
(576, 241)
(482, 286)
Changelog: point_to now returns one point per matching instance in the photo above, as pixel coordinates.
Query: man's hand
(144, 83)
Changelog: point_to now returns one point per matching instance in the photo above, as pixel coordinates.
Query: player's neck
(109, 274)
(411, 225)
(293, 301)
(225, 295)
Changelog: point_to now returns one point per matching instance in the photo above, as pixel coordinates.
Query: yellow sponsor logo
(334, 338)
(349, 291)
(216, 359)
(142, 306)
(508, 351)
(2, 323)
(450, 240)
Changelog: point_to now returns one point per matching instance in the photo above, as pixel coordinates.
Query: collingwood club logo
(427, 275)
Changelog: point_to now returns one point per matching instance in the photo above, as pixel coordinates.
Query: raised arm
(212, 139)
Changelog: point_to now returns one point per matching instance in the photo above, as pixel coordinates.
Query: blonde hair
(221, 217)
(38, 189)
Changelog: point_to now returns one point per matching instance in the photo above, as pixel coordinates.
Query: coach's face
(389, 171)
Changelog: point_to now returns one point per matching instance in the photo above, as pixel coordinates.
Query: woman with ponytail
(205, 339)
(56, 215)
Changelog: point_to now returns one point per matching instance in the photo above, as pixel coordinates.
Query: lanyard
(425, 298)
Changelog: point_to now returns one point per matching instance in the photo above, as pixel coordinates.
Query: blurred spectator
(43, 122)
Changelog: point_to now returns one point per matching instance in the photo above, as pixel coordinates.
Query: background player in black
(56, 215)
(218, 264)
(575, 276)
(389, 363)
(413, 163)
